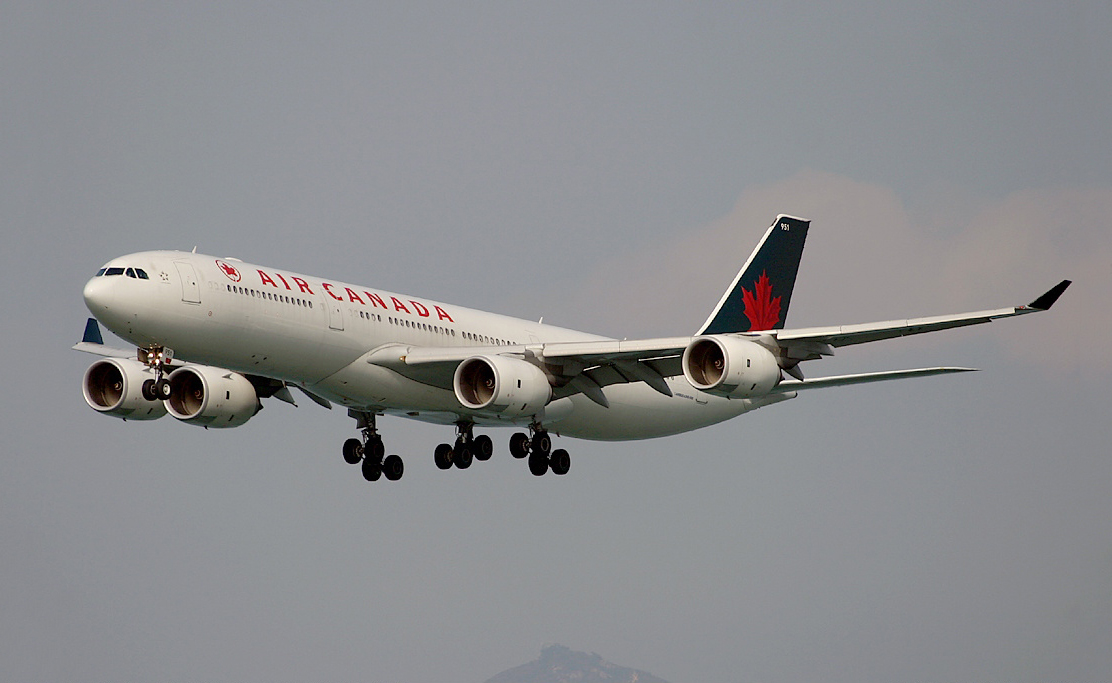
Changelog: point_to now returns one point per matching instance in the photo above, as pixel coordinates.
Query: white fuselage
(316, 333)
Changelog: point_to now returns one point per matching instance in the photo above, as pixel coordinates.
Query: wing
(572, 367)
(810, 343)
(587, 367)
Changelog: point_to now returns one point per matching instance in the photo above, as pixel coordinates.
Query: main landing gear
(156, 358)
(371, 452)
(467, 448)
(538, 449)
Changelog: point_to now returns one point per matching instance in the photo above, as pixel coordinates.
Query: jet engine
(211, 397)
(114, 386)
(730, 366)
(499, 384)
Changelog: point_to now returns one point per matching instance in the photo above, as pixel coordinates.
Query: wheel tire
(538, 464)
(463, 455)
(542, 443)
(147, 389)
(393, 467)
(560, 462)
(372, 469)
(162, 389)
(484, 447)
(375, 449)
(519, 445)
(442, 456)
(353, 451)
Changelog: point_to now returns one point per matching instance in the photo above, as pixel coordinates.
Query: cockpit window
(137, 273)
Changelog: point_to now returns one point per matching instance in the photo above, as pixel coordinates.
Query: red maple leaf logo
(762, 310)
(229, 270)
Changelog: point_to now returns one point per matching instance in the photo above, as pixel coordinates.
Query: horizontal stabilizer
(864, 378)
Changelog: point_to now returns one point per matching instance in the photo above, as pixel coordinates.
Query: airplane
(214, 336)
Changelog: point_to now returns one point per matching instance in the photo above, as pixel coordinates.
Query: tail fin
(759, 296)
(92, 333)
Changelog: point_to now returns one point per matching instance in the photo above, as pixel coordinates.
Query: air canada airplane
(214, 336)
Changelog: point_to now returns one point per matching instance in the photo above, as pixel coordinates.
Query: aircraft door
(335, 314)
(190, 289)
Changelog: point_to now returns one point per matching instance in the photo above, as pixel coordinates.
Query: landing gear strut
(467, 448)
(157, 358)
(538, 449)
(370, 451)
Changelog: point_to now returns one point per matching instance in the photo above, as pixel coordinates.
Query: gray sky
(609, 168)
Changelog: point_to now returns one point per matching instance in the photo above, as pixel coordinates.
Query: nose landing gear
(157, 358)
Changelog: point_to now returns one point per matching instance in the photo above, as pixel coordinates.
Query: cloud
(871, 257)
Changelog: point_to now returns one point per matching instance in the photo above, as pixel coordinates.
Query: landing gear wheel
(353, 451)
(519, 445)
(483, 447)
(375, 449)
(538, 464)
(147, 389)
(442, 456)
(542, 443)
(462, 455)
(560, 461)
(372, 469)
(393, 467)
(162, 389)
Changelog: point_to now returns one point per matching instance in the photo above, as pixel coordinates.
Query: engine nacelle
(211, 397)
(114, 386)
(729, 366)
(499, 384)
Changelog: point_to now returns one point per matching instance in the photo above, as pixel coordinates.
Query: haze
(608, 167)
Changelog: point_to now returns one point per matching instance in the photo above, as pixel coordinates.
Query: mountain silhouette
(559, 664)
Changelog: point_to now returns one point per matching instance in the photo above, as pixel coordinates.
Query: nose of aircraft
(97, 294)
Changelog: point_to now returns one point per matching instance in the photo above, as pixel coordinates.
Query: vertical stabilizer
(92, 333)
(759, 296)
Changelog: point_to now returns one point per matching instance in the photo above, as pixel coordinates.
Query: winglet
(1044, 302)
(92, 333)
